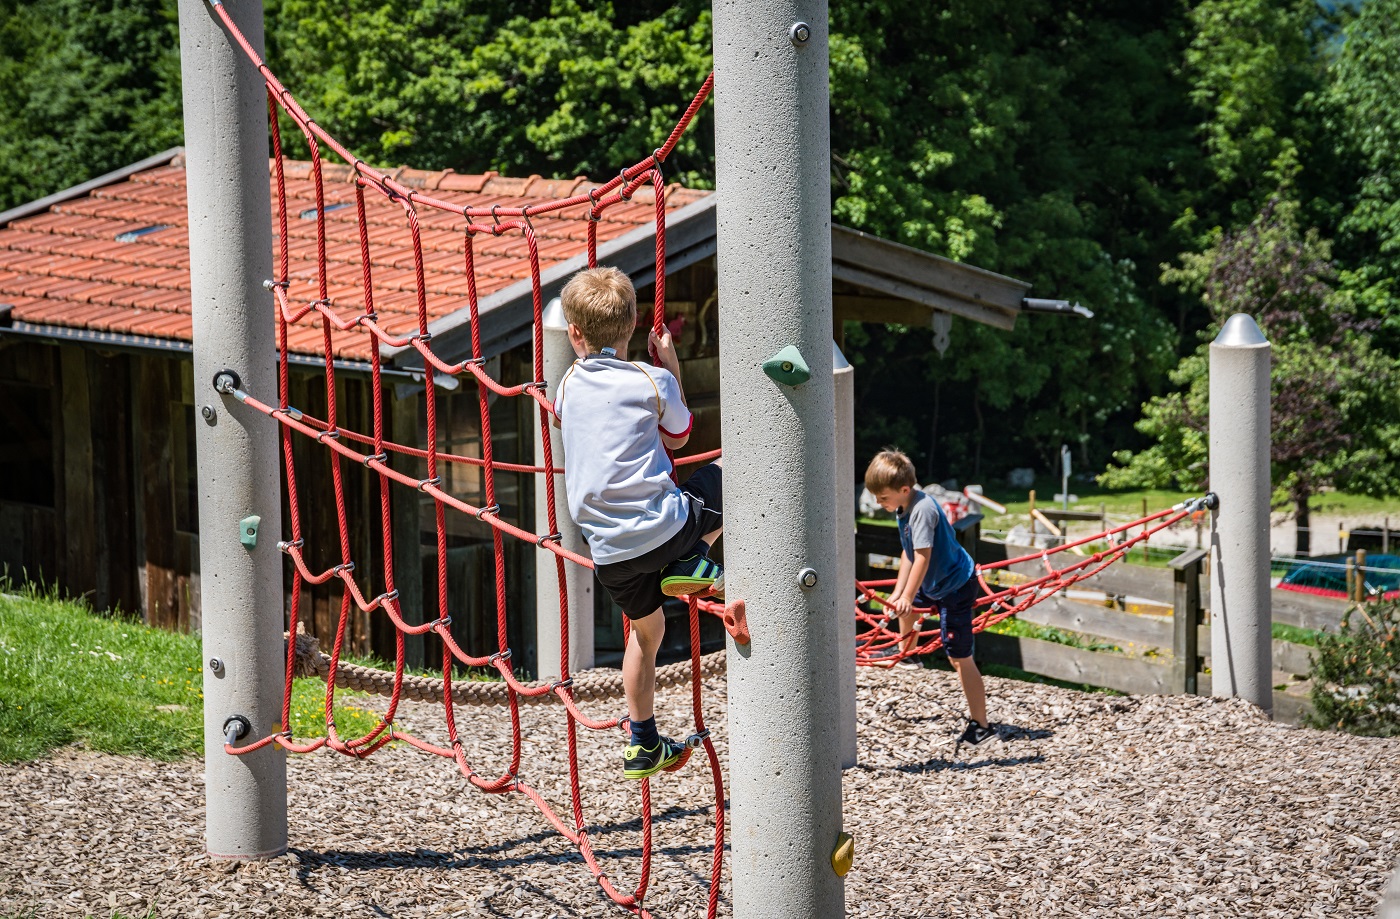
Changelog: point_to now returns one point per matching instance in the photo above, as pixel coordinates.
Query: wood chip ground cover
(1087, 805)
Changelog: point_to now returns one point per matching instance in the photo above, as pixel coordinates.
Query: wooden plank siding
(29, 464)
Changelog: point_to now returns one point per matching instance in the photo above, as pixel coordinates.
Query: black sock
(644, 733)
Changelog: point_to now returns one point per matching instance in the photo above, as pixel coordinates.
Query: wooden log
(407, 527)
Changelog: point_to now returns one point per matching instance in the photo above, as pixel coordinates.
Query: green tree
(561, 88)
(1364, 113)
(85, 88)
(1335, 397)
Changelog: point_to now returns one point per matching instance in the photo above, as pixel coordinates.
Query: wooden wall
(67, 517)
(99, 495)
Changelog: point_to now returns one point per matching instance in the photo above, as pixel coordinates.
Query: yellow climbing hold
(845, 854)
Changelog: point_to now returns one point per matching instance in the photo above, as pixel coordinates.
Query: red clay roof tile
(65, 267)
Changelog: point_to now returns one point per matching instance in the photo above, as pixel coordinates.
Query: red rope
(874, 646)
(342, 445)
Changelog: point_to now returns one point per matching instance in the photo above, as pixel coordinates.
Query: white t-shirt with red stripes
(617, 475)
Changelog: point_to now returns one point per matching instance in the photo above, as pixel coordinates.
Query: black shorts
(635, 584)
(955, 617)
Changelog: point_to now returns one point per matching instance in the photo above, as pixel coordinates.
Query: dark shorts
(955, 617)
(635, 584)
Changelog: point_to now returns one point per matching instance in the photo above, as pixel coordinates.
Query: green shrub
(1356, 673)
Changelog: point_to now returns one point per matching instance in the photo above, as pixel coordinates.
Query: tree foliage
(85, 88)
(1335, 409)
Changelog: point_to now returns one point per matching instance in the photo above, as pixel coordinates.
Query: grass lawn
(70, 675)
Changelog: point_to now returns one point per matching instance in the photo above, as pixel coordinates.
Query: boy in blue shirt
(649, 538)
(934, 571)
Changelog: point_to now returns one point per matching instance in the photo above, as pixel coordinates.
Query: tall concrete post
(558, 355)
(240, 518)
(774, 252)
(845, 384)
(1241, 616)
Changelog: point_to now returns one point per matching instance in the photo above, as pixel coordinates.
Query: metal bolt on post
(1240, 612)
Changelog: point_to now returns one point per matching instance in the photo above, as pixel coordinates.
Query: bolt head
(216, 665)
(807, 578)
(800, 33)
(210, 415)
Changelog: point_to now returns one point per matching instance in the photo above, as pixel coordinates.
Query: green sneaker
(639, 762)
(694, 574)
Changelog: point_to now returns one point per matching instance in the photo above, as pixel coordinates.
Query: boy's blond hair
(890, 469)
(603, 304)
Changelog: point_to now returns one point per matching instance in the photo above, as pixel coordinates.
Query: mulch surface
(1086, 805)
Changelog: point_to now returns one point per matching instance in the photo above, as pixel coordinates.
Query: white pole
(845, 383)
(773, 217)
(240, 518)
(558, 355)
(1241, 615)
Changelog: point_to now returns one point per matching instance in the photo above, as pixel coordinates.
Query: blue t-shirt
(923, 526)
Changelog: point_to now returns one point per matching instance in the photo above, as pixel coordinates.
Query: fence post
(1186, 618)
(1360, 575)
(1146, 553)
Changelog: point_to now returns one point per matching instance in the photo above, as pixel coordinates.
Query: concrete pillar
(226, 154)
(1241, 616)
(558, 355)
(774, 254)
(845, 382)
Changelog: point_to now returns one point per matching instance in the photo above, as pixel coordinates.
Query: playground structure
(787, 690)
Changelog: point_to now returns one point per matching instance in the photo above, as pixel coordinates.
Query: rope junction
(372, 451)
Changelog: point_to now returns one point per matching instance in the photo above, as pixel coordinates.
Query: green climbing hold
(787, 367)
(248, 530)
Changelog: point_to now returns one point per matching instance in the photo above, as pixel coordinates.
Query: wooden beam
(996, 316)
(872, 308)
(79, 520)
(404, 511)
(952, 279)
(157, 548)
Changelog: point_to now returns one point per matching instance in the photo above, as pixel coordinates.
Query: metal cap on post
(773, 222)
(1240, 612)
(845, 395)
(240, 516)
(578, 580)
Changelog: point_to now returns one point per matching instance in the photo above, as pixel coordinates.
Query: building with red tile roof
(98, 485)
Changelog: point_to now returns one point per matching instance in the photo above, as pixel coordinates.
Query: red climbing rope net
(372, 450)
(880, 644)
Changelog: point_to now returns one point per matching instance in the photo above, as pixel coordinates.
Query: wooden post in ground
(1186, 618)
(1146, 557)
(1360, 575)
